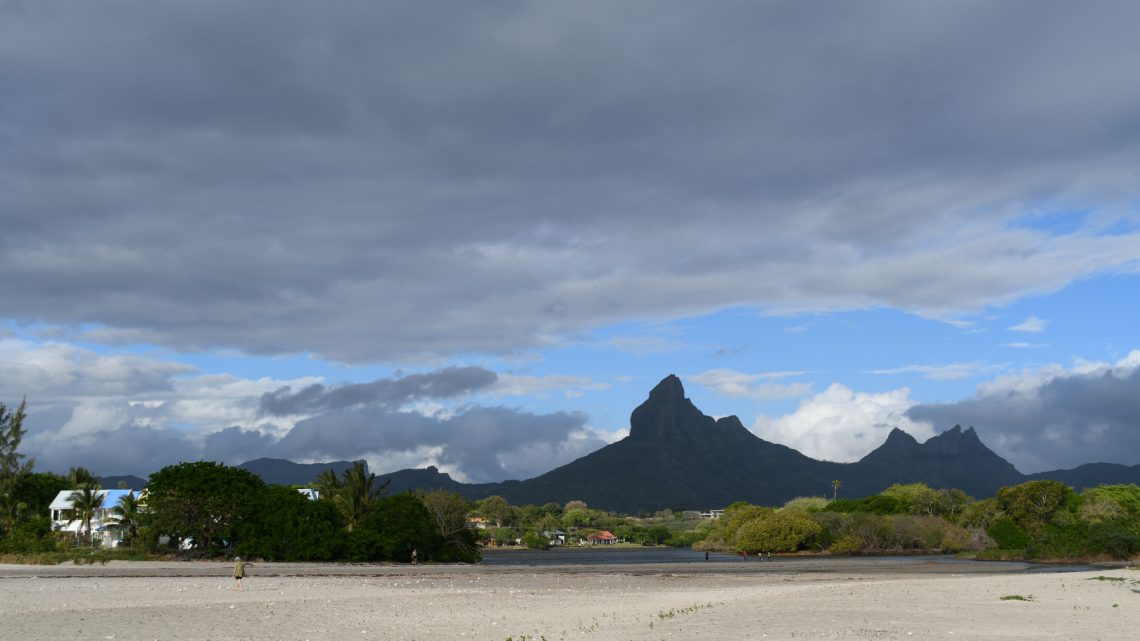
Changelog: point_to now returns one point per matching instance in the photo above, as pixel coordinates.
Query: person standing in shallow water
(239, 573)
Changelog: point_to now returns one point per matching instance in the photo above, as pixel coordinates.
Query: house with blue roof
(104, 524)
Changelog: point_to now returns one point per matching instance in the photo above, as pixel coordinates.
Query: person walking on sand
(239, 573)
(414, 555)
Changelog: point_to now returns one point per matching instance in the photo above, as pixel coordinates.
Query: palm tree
(127, 515)
(835, 485)
(84, 503)
(327, 484)
(354, 495)
(80, 476)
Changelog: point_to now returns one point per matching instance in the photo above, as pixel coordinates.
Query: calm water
(599, 555)
(685, 559)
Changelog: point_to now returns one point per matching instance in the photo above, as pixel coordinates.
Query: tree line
(210, 509)
(1044, 520)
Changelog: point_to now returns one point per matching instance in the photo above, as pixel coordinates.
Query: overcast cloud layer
(424, 185)
(381, 181)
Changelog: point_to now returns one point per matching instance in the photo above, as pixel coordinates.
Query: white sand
(611, 602)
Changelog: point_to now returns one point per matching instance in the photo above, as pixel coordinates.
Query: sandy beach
(786, 599)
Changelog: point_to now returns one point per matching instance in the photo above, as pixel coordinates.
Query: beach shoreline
(196, 600)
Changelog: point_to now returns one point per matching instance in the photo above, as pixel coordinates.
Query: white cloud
(728, 382)
(641, 345)
(133, 414)
(1032, 325)
(947, 372)
(1053, 417)
(840, 424)
(568, 386)
(1025, 345)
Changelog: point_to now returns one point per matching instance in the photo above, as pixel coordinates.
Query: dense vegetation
(1036, 520)
(209, 509)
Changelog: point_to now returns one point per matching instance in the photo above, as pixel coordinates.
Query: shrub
(979, 514)
(686, 539)
(504, 536)
(878, 504)
(404, 524)
(1114, 539)
(872, 529)
(915, 532)
(1008, 535)
(833, 525)
(955, 538)
(536, 541)
(808, 503)
(1059, 542)
(284, 525)
(781, 531)
(847, 544)
(33, 536)
(1033, 504)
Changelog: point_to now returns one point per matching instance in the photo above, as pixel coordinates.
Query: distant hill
(1092, 475)
(283, 472)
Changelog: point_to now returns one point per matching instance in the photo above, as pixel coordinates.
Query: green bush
(781, 531)
(403, 524)
(686, 539)
(955, 538)
(877, 504)
(536, 541)
(29, 537)
(1060, 542)
(1115, 539)
(284, 525)
(360, 546)
(808, 503)
(1008, 535)
(504, 536)
(847, 544)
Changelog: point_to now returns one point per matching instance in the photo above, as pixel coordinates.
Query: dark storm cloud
(234, 445)
(446, 383)
(380, 181)
(1060, 422)
(126, 449)
(473, 440)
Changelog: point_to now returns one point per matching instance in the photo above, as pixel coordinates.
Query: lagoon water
(687, 560)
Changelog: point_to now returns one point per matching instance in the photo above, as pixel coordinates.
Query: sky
(475, 235)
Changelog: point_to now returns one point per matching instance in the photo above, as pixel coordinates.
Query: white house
(104, 526)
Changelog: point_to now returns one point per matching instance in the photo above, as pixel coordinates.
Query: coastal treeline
(498, 523)
(1042, 519)
(212, 510)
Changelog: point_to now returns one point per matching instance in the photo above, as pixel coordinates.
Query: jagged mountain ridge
(677, 457)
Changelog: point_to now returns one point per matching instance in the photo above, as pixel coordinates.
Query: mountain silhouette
(283, 472)
(677, 457)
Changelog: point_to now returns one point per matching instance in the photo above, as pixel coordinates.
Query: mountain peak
(667, 413)
(669, 388)
(899, 436)
(955, 440)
